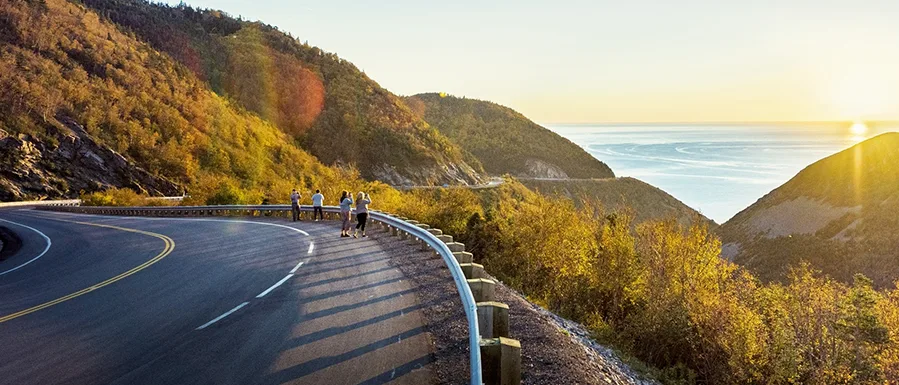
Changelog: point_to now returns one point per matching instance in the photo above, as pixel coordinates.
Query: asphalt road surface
(123, 300)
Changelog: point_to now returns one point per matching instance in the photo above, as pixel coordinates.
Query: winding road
(123, 300)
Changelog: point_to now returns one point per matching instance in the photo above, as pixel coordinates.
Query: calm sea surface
(716, 169)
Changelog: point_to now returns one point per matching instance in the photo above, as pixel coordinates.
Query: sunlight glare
(858, 129)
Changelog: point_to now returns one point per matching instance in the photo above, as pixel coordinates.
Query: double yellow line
(169, 246)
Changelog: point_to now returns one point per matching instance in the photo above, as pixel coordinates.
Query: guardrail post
(482, 289)
(463, 257)
(473, 270)
(456, 246)
(493, 319)
(501, 360)
(435, 231)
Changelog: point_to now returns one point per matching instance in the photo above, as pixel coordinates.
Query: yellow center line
(169, 246)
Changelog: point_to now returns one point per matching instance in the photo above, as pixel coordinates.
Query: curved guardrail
(465, 293)
(73, 202)
(64, 202)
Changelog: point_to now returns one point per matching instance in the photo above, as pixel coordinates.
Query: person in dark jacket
(362, 202)
(295, 204)
(346, 205)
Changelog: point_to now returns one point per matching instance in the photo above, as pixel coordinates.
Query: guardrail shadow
(360, 321)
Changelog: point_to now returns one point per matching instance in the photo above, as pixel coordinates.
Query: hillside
(84, 105)
(505, 141)
(839, 214)
(331, 108)
(647, 202)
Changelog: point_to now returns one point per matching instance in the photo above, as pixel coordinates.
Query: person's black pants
(318, 213)
(361, 218)
(295, 208)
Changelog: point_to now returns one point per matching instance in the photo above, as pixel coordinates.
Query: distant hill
(505, 141)
(330, 107)
(839, 214)
(86, 106)
(648, 202)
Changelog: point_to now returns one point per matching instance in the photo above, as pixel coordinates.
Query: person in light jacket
(362, 202)
(317, 201)
(346, 204)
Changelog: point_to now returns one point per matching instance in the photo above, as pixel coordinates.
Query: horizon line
(730, 122)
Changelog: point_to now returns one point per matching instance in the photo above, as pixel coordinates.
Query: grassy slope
(504, 140)
(61, 61)
(647, 202)
(334, 110)
(864, 177)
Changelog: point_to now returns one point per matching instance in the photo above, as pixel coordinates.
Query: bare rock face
(32, 168)
(452, 174)
(539, 169)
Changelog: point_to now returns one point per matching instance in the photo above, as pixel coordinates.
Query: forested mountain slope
(505, 141)
(327, 104)
(84, 105)
(839, 214)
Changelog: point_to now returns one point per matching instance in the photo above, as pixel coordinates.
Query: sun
(858, 129)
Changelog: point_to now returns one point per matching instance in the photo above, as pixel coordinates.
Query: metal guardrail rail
(468, 301)
(74, 202)
(64, 202)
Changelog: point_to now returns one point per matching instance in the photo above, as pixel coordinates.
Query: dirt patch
(552, 353)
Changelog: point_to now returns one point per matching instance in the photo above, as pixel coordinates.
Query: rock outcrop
(33, 168)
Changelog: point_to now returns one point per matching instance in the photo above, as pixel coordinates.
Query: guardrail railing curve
(75, 202)
(465, 293)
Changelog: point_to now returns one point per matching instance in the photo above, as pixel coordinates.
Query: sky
(617, 61)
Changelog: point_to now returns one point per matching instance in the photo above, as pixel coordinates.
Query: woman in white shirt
(362, 202)
(317, 201)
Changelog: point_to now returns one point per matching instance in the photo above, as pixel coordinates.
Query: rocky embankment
(66, 162)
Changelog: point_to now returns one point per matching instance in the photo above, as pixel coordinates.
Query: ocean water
(716, 169)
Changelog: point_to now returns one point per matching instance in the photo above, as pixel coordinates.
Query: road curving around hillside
(126, 300)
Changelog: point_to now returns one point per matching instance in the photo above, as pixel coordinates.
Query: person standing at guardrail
(346, 204)
(362, 202)
(295, 204)
(317, 200)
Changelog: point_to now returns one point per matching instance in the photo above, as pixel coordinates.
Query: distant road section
(119, 300)
(494, 182)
